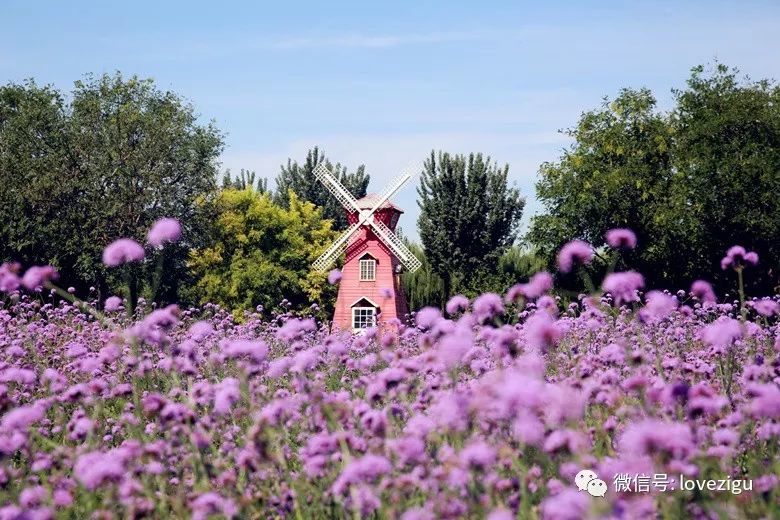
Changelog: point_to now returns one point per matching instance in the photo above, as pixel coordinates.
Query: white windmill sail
(332, 254)
(322, 174)
(365, 217)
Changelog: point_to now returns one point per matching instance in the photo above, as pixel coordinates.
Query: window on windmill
(367, 270)
(363, 317)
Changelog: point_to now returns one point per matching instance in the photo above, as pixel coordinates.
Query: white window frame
(367, 268)
(366, 323)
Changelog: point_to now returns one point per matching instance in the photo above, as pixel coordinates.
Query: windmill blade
(322, 174)
(391, 240)
(332, 254)
(396, 184)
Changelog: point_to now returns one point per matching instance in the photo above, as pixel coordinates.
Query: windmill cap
(371, 199)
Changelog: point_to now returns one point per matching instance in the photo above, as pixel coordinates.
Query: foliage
(261, 253)
(245, 179)
(116, 157)
(422, 287)
(300, 179)
(689, 182)
(425, 288)
(469, 216)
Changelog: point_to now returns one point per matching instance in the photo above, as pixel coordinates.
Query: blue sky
(385, 84)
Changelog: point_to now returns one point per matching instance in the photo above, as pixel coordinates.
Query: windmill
(375, 256)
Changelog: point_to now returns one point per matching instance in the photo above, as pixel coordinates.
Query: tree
(425, 287)
(262, 253)
(245, 179)
(106, 165)
(301, 180)
(469, 215)
(728, 147)
(690, 183)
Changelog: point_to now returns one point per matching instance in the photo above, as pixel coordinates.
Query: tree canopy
(300, 179)
(77, 175)
(469, 215)
(261, 253)
(690, 182)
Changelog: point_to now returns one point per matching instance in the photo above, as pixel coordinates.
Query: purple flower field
(486, 410)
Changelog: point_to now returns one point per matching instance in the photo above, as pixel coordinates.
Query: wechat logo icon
(586, 480)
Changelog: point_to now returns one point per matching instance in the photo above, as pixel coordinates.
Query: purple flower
(334, 276)
(453, 346)
(200, 330)
(574, 253)
(737, 257)
(418, 513)
(21, 418)
(766, 401)
(9, 277)
(456, 304)
(652, 436)
(62, 498)
(112, 303)
(363, 470)
(95, 468)
(278, 367)
(37, 276)
(766, 308)
(122, 251)
(257, 350)
(293, 329)
(32, 496)
(22, 376)
(623, 286)
(164, 230)
(427, 317)
(500, 514)
(210, 504)
(541, 331)
(487, 306)
(722, 332)
(703, 291)
(658, 306)
(621, 238)
(385, 292)
(539, 284)
(478, 454)
(226, 395)
(568, 504)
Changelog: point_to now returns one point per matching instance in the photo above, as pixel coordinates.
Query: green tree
(469, 216)
(106, 165)
(245, 179)
(300, 179)
(262, 253)
(425, 287)
(728, 152)
(690, 183)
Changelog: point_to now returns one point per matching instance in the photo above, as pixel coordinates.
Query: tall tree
(261, 253)
(469, 215)
(300, 179)
(690, 182)
(244, 179)
(106, 165)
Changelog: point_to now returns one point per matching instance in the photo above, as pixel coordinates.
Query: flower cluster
(486, 409)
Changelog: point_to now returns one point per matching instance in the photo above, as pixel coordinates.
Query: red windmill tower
(371, 276)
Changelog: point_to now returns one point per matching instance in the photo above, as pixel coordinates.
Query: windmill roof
(371, 199)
